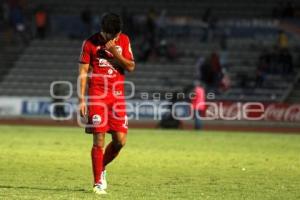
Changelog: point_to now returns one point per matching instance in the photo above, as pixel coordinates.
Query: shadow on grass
(43, 189)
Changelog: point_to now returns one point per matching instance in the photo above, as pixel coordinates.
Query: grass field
(54, 163)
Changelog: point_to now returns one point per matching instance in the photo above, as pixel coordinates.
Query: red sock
(97, 160)
(110, 154)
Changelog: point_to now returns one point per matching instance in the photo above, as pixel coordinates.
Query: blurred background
(236, 51)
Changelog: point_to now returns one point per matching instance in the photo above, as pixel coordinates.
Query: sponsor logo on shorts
(96, 119)
(110, 71)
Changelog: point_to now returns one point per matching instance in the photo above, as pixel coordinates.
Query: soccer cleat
(103, 180)
(98, 189)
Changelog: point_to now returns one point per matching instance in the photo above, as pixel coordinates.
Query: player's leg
(97, 155)
(97, 161)
(114, 147)
(97, 125)
(111, 152)
(118, 125)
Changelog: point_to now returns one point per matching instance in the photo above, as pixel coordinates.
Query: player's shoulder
(93, 39)
(123, 37)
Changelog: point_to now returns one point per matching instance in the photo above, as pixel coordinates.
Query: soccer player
(105, 56)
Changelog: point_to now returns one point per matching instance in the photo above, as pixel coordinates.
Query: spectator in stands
(198, 104)
(216, 67)
(17, 21)
(41, 22)
(282, 40)
(211, 72)
(86, 18)
(206, 73)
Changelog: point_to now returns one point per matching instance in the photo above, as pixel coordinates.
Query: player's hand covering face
(111, 46)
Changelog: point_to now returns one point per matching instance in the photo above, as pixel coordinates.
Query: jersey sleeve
(85, 54)
(127, 52)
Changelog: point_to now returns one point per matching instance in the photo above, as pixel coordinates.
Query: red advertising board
(253, 111)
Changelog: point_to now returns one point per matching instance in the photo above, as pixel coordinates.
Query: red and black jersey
(104, 74)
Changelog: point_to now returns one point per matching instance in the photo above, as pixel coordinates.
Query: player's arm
(120, 60)
(84, 60)
(83, 75)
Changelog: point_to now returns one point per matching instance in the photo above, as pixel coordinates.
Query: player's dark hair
(111, 23)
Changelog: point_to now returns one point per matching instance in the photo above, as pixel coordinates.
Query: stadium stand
(194, 8)
(55, 58)
(8, 55)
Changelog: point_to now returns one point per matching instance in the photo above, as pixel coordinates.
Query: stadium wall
(219, 116)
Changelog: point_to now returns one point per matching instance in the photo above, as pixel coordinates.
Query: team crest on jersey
(96, 119)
